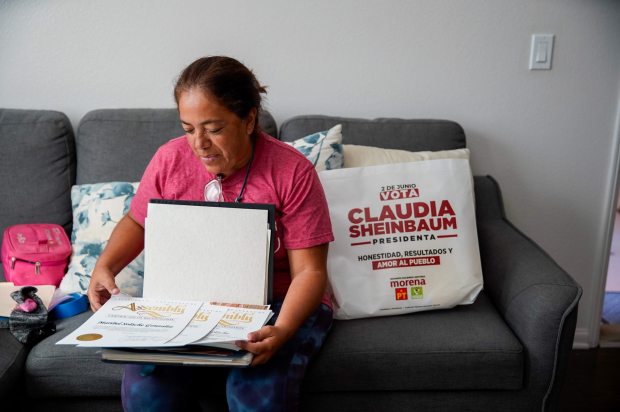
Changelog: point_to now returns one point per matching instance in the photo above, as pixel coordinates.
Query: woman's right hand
(126, 242)
(101, 288)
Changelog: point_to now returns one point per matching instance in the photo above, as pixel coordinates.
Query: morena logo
(411, 288)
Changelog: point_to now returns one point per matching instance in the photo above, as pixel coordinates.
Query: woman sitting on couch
(225, 157)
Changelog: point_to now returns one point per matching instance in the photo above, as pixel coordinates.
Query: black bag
(29, 327)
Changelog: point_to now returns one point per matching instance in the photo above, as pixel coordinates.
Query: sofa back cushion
(117, 144)
(414, 135)
(37, 168)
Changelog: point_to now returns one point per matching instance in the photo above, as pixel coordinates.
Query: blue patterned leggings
(273, 386)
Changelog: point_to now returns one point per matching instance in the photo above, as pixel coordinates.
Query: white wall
(546, 136)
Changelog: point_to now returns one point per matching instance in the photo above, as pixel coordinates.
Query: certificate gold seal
(89, 337)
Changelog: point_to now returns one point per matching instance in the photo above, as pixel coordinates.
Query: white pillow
(361, 156)
(96, 210)
(323, 149)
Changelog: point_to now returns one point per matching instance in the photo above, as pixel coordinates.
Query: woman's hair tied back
(228, 80)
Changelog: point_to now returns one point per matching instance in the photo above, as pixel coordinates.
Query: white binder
(209, 251)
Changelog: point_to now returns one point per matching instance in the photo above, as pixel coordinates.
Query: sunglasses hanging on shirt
(213, 190)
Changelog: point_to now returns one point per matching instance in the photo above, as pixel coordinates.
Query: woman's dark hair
(228, 80)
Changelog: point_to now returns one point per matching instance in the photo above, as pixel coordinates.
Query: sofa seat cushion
(464, 348)
(54, 371)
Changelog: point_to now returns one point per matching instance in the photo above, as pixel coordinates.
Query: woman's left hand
(308, 280)
(264, 343)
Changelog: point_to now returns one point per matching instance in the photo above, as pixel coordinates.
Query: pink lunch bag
(35, 254)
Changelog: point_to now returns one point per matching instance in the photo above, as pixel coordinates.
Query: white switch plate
(541, 52)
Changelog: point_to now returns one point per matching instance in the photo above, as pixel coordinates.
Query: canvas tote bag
(405, 238)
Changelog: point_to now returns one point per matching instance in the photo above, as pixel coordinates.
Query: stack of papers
(195, 252)
(169, 331)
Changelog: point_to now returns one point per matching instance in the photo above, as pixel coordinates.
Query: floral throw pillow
(96, 210)
(323, 149)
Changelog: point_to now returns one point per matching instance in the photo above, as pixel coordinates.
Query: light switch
(542, 51)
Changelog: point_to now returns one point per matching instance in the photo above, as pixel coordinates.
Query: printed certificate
(202, 323)
(126, 321)
(235, 325)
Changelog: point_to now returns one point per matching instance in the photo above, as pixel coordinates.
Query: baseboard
(582, 339)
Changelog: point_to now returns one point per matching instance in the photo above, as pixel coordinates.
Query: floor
(610, 325)
(592, 381)
(611, 308)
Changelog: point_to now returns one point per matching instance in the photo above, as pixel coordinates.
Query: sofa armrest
(12, 364)
(536, 297)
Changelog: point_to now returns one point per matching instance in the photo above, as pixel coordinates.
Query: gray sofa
(507, 351)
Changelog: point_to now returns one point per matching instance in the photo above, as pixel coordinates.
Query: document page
(125, 321)
(203, 322)
(236, 324)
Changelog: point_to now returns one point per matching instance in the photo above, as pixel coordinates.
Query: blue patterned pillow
(323, 149)
(96, 210)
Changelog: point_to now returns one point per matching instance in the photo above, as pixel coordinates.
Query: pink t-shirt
(279, 175)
